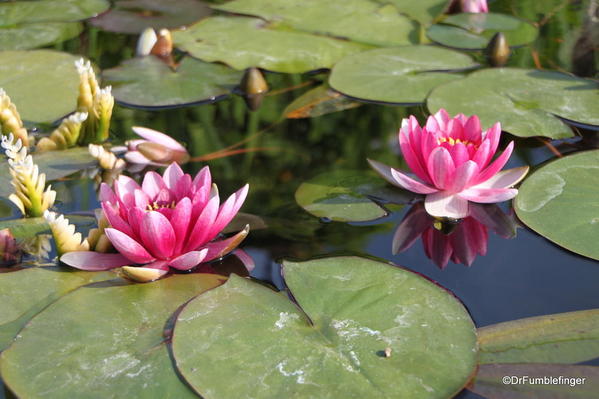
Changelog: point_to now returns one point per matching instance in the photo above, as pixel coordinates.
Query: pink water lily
(452, 162)
(168, 221)
(154, 148)
(474, 6)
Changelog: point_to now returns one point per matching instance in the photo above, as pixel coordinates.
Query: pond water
(522, 276)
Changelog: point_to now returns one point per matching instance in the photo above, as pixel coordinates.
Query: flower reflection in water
(460, 241)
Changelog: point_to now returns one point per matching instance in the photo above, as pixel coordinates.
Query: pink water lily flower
(474, 6)
(154, 148)
(168, 221)
(452, 162)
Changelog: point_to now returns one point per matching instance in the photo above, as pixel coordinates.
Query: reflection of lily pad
(397, 75)
(347, 196)
(148, 82)
(357, 20)
(527, 102)
(332, 343)
(103, 339)
(423, 11)
(133, 16)
(42, 83)
(318, 101)
(560, 201)
(30, 24)
(246, 42)
(473, 31)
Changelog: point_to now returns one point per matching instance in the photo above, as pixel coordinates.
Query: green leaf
(147, 82)
(103, 339)
(42, 83)
(23, 37)
(403, 75)
(318, 101)
(558, 338)
(347, 196)
(26, 292)
(251, 42)
(474, 30)
(27, 12)
(133, 16)
(560, 201)
(357, 20)
(243, 338)
(527, 102)
(582, 383)
(423, 11)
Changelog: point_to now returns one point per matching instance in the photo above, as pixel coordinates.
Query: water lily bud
(10, 120)
(106, 159)
(498, 50)
(64, 136)
(88, 85)
(164, 45)
(9, 250)
(146, 42)
(254, 88)
(158, 153)
(65, 237)
(103, 106)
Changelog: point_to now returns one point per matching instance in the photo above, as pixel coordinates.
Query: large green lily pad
(104, 340)
(23, 37)
(423, 11)
(473, 31)
(558, 338)
(26, 292)
(347, 196)
(147, 82)
(527, 102)
(251, 42)
(358, 20)
(42, 83)
(560, 201)
(403, 75)
(243, 339)
(133, 16)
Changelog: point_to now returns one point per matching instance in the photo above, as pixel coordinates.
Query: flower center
(160, 205)
(452, 141)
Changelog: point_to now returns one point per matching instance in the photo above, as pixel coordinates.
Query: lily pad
(571, 337)
(55, 164)
(357, 20)
(423, 11)
(103, 339)
(527, 102)
(400, 75)
(26, 292)
(147, 82)
(23, 37)
(560, 201)
(473, 31)
(244, 339)
(347, 196)
(133, 16)
(318, 101)
(251, 42)
(42, 83)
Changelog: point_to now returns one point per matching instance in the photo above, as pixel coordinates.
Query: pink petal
(437, 247)
(172, 174)
(473, 130)
(441, 168)
(218, 249)
(227, 211)
(113, 215)
(158, 235)
(493, 135)
(442, 118)
(505, 179)
(481, 156)
(183, 187)
(124, 188)
(464, 174)
(400, 179)
(202, 226)
(189, 260)
(158, 137)
(93, 261)
(488, 195)
(245, 258)
(152, 185)
(128, 247)
(180, 220)
(134, 218)
(158, 264)
(203, 179)
(411, 228)
(136, 157)
(445, 204)
(496, 165)
(459, 154)
(107, 195)
(141, 199)
(494, 218)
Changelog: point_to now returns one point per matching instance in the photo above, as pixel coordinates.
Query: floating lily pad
(147, 82)
(402, 75)
(358, 20)
(26, 292)
(527, 102)
(23, 37)
(42, 83)
(474, 30)
(318, 101)
(133, 16)
(103, 339)
(560, 201)
(571, 337)
(331, 345)
(423, 11)
(251, 42)
(347, 196)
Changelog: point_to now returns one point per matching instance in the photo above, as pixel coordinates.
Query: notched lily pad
(318, 101)
(244, 339)
(560, 201)
(147, 82)
(133, 16)
(400, 75)
(348, 196)
(527, 102)
(243, 42)
(473, 31)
